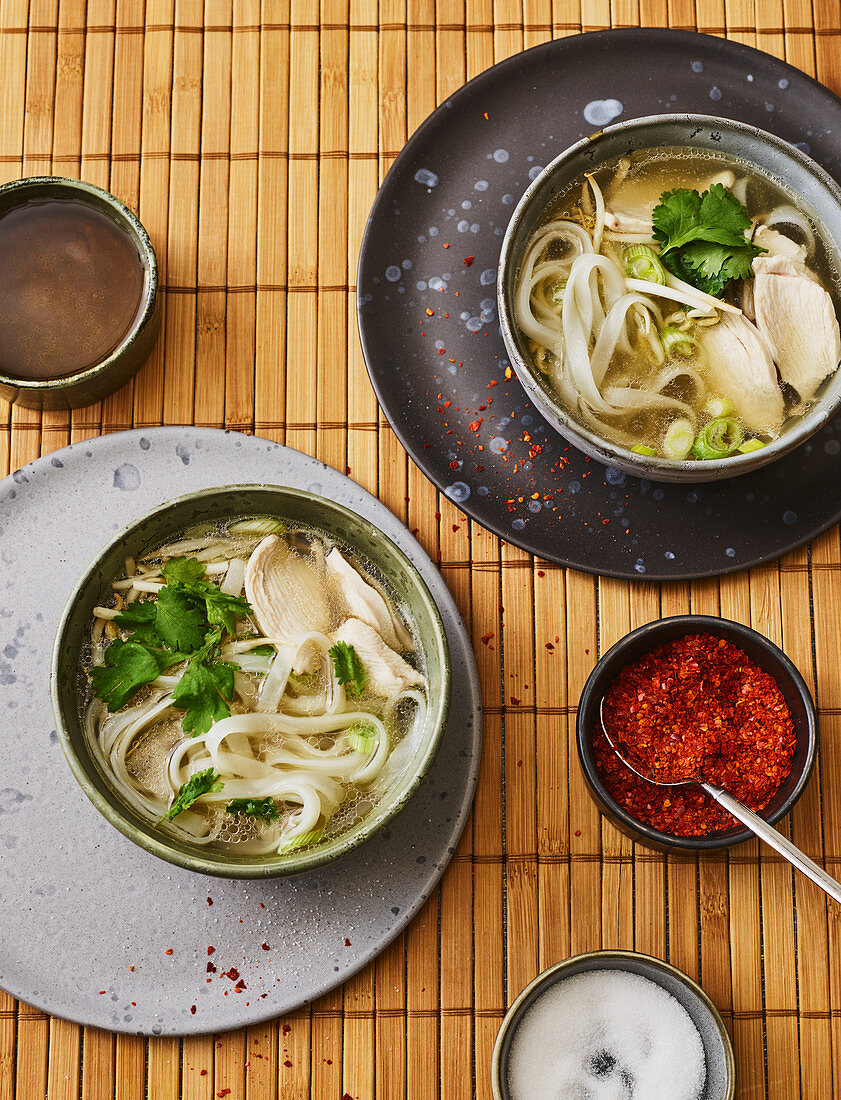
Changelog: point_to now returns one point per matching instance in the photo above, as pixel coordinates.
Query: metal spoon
(753, 821)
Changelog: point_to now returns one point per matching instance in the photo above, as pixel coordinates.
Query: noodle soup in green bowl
(669, 293)
(250, 681)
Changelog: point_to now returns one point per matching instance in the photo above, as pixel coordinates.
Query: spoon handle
(776, 840)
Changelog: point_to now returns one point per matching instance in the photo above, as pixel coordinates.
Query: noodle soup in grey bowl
(810, 202)
(314, 527)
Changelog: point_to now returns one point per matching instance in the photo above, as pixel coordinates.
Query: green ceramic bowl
(102, 379)
(388, 563)
(718, 1049)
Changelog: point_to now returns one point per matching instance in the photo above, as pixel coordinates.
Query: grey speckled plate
(86, 918)
(427, 313)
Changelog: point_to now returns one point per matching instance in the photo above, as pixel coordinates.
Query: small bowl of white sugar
(613, 1025)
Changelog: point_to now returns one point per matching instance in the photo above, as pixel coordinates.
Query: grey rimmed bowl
(388, 563)
(764, 654)
(811, 189)
(96, 382)
(718, 1049)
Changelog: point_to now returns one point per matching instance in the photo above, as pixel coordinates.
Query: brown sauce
(72, 288)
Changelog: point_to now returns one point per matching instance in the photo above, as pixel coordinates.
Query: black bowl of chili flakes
(697, 684)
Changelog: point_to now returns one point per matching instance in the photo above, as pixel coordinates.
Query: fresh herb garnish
(183, 570)
(197, 785)
(205, 688)
(350, 672)
(184, 622)
(702, 237)
(179, 622)
(128, 666)
(263, 808)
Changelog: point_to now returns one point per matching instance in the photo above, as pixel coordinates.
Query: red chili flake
(101, 992)
(446, 246)
(493, 382)
(265, 946)
(211, 950)
(211, 969)
(446, 315)
(535, 450)
(447, 404)
(486, 638)
(442, 351)
(550, 646)
(288, 1064)
(233, 973)
(224, 1092)
(540, 573)
(134, 1003)
(168, 951)
(347, 942)
(514, 701)
(210, 901)
(468, 260)
(238, 988)
(193, 1010)
(454, 464)
(430, 313)
(131, 968)
(456, 527)
(485, 116)
(695, 706)
(578, 832)
(474, 425)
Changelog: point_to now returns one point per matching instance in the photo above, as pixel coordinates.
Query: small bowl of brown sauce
(79, 312)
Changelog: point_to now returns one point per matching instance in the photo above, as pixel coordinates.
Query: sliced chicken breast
(365, 602)
(287, 597)
(740, 367)
(797, 319)
(387, 673)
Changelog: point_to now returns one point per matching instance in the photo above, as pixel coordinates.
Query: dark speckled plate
(427, 308)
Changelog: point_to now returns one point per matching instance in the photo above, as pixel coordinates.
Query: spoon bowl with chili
(696, 696)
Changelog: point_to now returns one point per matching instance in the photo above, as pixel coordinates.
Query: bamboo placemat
(251, 138)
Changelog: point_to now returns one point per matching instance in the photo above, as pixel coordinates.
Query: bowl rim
(548, 977)
(529, 376)
(613, 660)
(140, 831)
(148, 298)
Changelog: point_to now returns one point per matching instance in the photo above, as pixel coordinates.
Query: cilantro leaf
(185, 570)
(702, 237)
(350, 672)
(197, 785)
(264, 808)
(178, 621)
(222, 609)
(204, 692)
(139, 617)
(128, 666)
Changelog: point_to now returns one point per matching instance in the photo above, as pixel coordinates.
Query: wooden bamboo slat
(251, 136)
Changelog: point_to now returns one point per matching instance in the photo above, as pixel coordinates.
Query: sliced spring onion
(719, 406)
(751, 445)
(302, 840)
(678, 440)
(676, 342)
(641, 449)
(642, 262)
(265, 526)
(363, 739)
(556, 293)
(719, 438)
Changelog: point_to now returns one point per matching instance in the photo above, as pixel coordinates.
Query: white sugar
(606, 1035)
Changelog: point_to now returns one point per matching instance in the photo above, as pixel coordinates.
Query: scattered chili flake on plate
(696, 706)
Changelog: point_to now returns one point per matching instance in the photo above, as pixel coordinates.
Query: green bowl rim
(148, 298)
(122, 818)
(547, 977)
